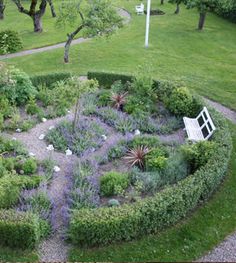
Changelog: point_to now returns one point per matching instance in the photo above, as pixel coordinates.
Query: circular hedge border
(106, 225)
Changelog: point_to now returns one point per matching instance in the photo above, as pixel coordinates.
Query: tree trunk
(67, 48)
(53, 12)
(2, 8)
(177, 9)
(68, 42)
(38, 26)
(162, 2)
(202, 18)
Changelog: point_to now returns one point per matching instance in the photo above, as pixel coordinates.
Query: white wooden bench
(200, 128)
(139, 9)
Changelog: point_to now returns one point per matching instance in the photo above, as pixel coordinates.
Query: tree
(2, 9)
(162, 2)
(177, 2)
(203, 6)
(36, 15)
(53, 12)
(97, 17)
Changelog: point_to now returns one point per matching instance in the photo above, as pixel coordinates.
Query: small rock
(44, 119)
(137, 132)
(41, 136)
(31, 154)
(68, 152)
(18, 130)
(13, 138)
(56, 169)
(50, 147)
(104, 137)
(51, 127)
(68, 111)
(93, 149)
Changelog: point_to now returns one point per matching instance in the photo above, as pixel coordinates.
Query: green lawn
(187, 241)
(204, 61)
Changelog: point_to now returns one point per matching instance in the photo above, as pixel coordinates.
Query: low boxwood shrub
(19, 229)
(10, 42)
(49, 79)
(106, 79)
(93, 227)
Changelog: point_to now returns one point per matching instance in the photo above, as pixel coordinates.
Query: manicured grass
(187, 241)
(23, 24)
(204, 61)
(7, 254)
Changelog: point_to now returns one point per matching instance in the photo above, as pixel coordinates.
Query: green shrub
(16, 86)
(156, 159)
(226, 9)
(113, 183)
(113, 202)
(104, 98)
(199, 153)
(30, 166)
(31, 107)
(5, 107)
(19, 229)
(49, 79)
(106, 79)
(10, 42)
(180, 102)
(1, 121)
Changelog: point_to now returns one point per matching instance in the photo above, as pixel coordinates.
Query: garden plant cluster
(127, 182)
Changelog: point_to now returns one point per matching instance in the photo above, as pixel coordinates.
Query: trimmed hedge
(94, 227)
(49, 79)
(106, 79)
(19, 229)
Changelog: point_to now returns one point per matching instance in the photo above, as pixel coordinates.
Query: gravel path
(228, 113)
(122, 12)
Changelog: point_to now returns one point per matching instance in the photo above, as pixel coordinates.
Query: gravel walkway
(122, 12)
(228, 113)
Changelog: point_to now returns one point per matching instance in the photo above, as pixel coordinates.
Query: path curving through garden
(122, 12)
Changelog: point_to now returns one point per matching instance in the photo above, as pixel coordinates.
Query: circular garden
(134, 171)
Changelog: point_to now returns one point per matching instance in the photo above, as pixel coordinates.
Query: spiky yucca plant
(137, 156)
(119, 100)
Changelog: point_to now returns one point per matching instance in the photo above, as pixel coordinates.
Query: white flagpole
(147, 22)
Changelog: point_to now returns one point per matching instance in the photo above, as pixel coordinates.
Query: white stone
(44, 119)
(104, 137)
(51, 127)
(56, 169)
(137, 132)
(93, 149)
(68, 152)
(31, 154)
(13, 138)
(41, 136)
(18, 130)
(50, 147)
(68, 111)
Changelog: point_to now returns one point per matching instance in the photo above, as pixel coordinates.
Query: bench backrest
(206, 124)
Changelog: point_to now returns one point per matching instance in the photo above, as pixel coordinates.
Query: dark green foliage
(19, 229)
(113, 183)
(16, 85)
(49, 79)
(32, 107)
(10, 42)
(104, 98)
(199, 153)
(182, 103)
(88, 227)
(29, 166)
(106, 79)
(226, 9)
